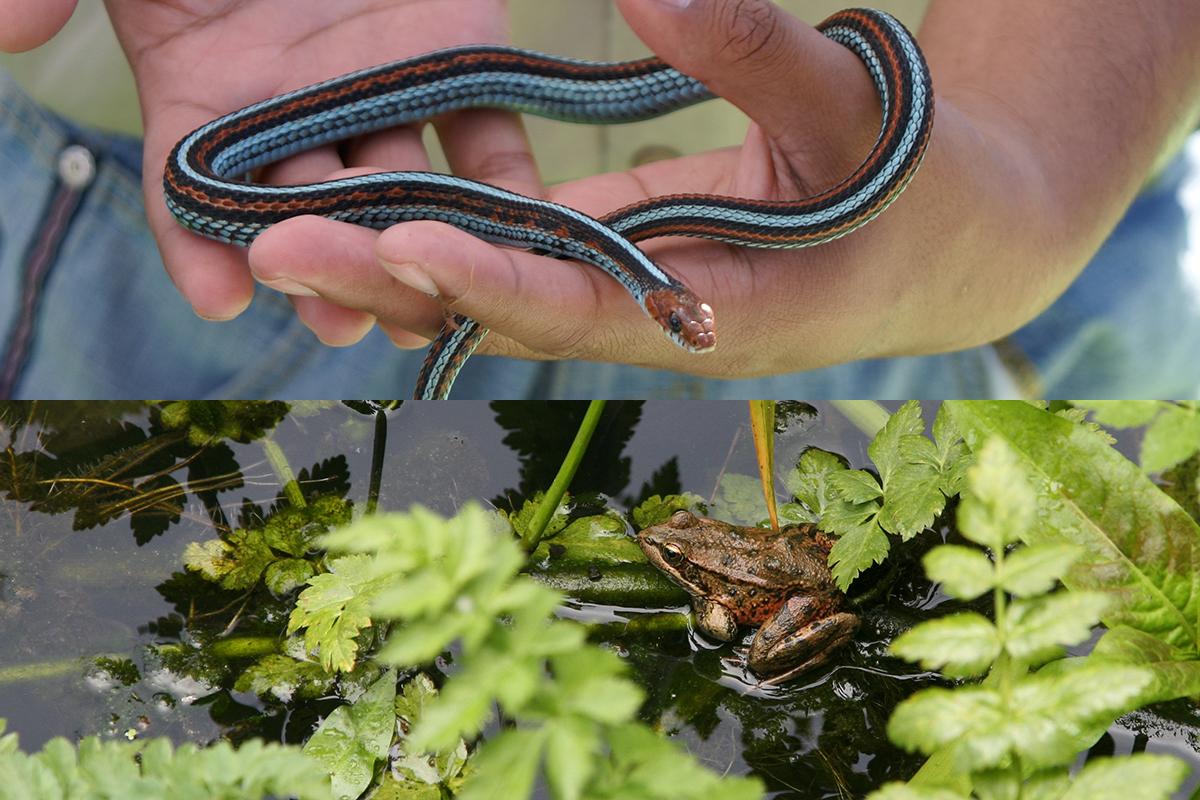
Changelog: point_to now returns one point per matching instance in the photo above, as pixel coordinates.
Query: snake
(209, 183)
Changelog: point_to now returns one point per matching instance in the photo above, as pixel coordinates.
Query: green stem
(377, 449)
(283, 470)
(566, 473)
(867, 415)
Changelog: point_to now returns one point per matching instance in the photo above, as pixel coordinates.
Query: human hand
(1007, 209)
(195, 61)
(29, 23)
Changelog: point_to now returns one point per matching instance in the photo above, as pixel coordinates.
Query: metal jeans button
(76, 166)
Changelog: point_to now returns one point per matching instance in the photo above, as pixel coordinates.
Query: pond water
(101, 500)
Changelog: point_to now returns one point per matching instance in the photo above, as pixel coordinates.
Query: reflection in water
(107, 632)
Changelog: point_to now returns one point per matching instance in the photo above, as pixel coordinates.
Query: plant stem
(566, 473)
(283, 470)
(377, 449)
(867, 415)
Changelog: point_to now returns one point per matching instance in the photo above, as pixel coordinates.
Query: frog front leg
(802, 634)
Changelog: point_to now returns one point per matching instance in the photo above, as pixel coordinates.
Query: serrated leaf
(572, 746)
(287, 574)
(354, 737)
(1142, 775)
(1122, 413)
(505, 766)
(912, 499)
(809, 481)
(1039, 627)
(1171, 439)
(857, 551)
(884, 449)
(1035, 569)
(963, 572)
(657, 509)
(1000, 505)
(962, 645)
(855, 486)
(333, 609)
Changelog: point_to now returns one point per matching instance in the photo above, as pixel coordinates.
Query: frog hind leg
(804, 634)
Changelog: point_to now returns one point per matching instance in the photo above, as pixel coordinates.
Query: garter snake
(208, 191)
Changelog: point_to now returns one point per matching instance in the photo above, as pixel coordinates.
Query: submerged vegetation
(419, 654)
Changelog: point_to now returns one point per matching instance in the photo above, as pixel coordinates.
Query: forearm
(1092, 92)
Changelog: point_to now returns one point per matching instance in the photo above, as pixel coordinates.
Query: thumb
(808, 94)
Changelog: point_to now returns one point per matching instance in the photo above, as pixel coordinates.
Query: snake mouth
(686, 321)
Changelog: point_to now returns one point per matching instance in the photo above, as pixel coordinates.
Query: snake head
(687, 321)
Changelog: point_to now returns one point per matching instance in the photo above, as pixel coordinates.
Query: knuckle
(750, 29)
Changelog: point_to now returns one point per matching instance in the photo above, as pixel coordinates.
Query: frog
(778, 581)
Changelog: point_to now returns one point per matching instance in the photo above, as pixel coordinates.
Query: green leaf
(1038, 627)
(1035, 569)
(856, 551)
(572, 745)
(913, 492)
(1171, 439)
(884, 449)
(1136, 544)
(1049, 719)
(1142, 775)
(1000, 505)
(418, 769)
(354, 737)
(521, 519)
(1174, 673)
(284, 678)
(648, 767)
(904, 791)
(333, 609)
(1122, 413)
(963, 572)
(505, 766)
(739, 500)
(855, 486)
(599, 539)
(287, 574)
(961, 645)
(658, 509)
(809, 481)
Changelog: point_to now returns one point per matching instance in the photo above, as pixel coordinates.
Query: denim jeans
(87, 311)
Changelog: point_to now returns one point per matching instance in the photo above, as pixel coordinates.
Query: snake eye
(676, 325)
(673, 553)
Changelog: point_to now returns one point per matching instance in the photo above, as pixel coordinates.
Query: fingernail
(287, 286)
(412, 275)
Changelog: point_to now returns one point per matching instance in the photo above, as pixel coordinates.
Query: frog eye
(682, 519)
(673, 553)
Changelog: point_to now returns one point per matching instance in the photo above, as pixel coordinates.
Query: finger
(333, 325)
(336, 260)
(29, 23)
(490, 146)
(548, 306)
(808, 93)
(398, 149)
